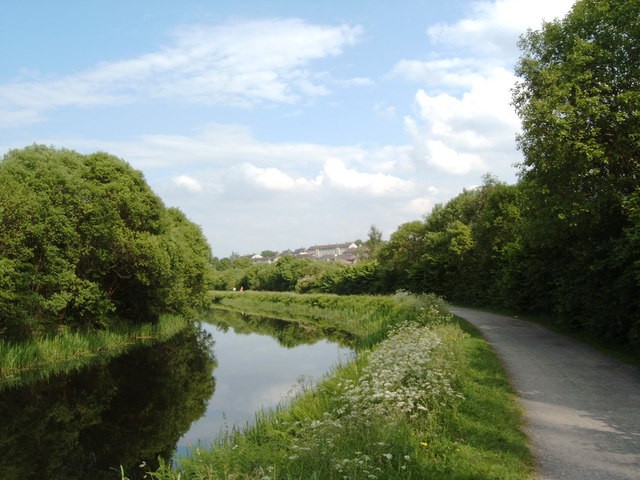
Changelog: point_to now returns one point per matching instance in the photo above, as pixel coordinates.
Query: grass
(428, 400)
(365, 317)
(25, 362)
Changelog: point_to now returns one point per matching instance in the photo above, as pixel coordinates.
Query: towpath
(582, 407)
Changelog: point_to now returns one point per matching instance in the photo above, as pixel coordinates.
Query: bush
(85, 243)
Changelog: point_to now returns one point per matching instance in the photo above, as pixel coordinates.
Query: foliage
(401, 376)
(85, 242)
(374, 241)
(579, 101)
(289, 274)
(460, 250)
(362, 277)
(399, 258)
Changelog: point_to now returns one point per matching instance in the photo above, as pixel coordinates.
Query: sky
(275, 124)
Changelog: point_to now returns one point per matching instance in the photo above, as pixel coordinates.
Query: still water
(158, 400)
(256, 371)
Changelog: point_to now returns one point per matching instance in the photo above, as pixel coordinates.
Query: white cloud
(445, 73)
(336, 173)
(472, 133)
(239, 64)
(420, 206)
(255, 194)
(188, 183)
(274, 179)
(452, 161)
(494, 26)
(463, 120)
(384, 111)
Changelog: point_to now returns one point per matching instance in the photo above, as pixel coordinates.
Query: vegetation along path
(581, 406)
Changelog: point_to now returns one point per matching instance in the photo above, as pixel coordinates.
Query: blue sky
(275, 124)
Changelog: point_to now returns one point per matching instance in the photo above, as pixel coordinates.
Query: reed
(25, 362)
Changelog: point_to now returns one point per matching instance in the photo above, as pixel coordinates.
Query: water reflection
(254, 370)
(145, 404)
(131, 409)
(288, 334)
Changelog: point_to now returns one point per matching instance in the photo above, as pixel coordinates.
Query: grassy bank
(24, 362)
(429, 400)
(365, 317)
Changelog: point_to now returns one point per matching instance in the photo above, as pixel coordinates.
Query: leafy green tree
(497, 237)
(374, 241)
(462, 248)
(448, 244)
(579, 101)
(399, 258)
(84, 242)
(287, 271)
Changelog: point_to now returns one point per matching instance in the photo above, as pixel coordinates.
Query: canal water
(255, 371)
(158, 401)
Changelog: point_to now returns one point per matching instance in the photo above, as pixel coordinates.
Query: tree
(374, 241)
(462, 250)
(399, 258)
(84, 243)
(579, 101)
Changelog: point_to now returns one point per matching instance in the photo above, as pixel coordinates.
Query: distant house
(333, 250)
(349, 258)
(301, 253)
(336, 252)
(257, 258)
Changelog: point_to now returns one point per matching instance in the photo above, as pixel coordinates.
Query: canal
(159, 400)
(255, 371)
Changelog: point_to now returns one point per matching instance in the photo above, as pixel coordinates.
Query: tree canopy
(579, 101)
(84, 243)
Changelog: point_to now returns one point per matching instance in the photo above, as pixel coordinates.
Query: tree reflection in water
(288, 333)
(123, 412)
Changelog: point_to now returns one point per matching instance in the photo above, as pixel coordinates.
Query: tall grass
(366, 317)
(426, 401)
(29, 361)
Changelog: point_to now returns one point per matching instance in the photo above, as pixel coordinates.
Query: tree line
(565, 239)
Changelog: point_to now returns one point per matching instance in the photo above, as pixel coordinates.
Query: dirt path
(582, 407)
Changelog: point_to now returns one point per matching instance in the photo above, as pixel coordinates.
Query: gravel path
(582, 407)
